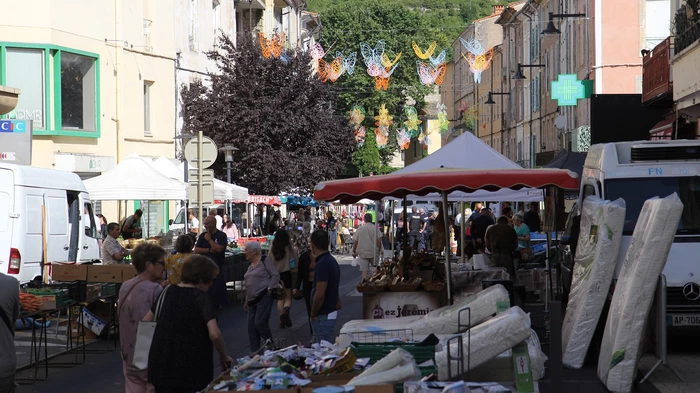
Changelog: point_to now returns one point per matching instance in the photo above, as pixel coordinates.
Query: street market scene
(337, 196)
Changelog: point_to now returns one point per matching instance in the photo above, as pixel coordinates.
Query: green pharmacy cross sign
(567, 90)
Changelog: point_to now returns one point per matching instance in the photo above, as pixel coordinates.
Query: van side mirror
(170, 222)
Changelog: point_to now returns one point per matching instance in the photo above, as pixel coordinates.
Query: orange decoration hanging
(381, 83)
(271, 47)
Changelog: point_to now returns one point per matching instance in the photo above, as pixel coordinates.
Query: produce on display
(645, 260)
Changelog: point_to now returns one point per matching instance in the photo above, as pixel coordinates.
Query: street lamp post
(228, 150)
(520, 77)
(185, 137)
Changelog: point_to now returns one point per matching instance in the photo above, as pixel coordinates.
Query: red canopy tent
(441, 180)
(445, 181)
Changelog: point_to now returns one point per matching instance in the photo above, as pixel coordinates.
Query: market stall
(446, 182)
(134, 179)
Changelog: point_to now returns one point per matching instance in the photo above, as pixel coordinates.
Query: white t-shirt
(219, 222)
(194, 223)
(366, 237)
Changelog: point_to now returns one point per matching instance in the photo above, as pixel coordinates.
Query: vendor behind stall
(416, 227)
(130, 226)
(212, 244)
(367, 240)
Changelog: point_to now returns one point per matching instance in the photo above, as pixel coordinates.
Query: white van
(23, 192)
(637, 171)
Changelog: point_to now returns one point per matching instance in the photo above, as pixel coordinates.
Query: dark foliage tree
(280, 116)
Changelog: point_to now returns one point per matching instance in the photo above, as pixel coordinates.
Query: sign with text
(16, 141)
(390, 305)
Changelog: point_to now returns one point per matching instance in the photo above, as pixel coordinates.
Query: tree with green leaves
(347, 23)
(280, 117)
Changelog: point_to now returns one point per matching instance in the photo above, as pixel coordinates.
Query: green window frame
(52, 88)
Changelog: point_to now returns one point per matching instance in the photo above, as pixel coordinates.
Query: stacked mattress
(488, 340)
(594, 267)
(441, 321)
(634, 292)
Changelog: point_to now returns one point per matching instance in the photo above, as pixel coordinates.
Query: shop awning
(437, 180)
(663, 129)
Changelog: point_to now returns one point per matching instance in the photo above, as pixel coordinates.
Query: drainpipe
(117, 64)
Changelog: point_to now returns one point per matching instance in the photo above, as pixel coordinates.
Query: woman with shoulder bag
(259, 279)
(281, 255)
(180, 358)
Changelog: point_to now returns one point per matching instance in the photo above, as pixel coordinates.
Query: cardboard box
(47, 302)
(92, 322)
(128, 272)
(76, 333)
(68, 272)
(105, 273)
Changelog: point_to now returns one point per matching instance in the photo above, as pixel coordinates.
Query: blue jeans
(324, 329)
(259, 322)
(334, 239)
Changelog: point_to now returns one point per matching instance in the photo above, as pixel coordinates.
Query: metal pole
(391, 227)
(462, 231)
(405, 233)
(228, 172)
(187, 200)
(200, 178)
(376, 221)
(448, 266)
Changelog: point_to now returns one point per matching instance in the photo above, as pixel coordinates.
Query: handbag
(144, 337)
(277, 292)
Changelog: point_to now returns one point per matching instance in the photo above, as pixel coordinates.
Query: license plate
(684, 319)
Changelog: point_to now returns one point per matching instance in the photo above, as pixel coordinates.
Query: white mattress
(441, 321)
(634, 292)
(488, 340)
(594, 267)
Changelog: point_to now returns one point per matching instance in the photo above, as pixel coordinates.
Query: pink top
(231, 233)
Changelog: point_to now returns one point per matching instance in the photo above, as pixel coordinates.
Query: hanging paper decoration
(403, 138)
(439, 59)
(382, 135)
(428, 52)
(360, 134)
(469, 114)
(271, 47)
(379, 65)
(331, 71)
(412, 122)
(443, 122)
(383, 121)
(424, 140)
(430, 75)
(356, 117)
(478, 57)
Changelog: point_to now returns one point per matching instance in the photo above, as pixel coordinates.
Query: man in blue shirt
(325, 294)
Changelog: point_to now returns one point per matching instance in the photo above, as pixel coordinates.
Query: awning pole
(376, 221)
(392, 234)
(462, 230)
(405, 236)
(448, 266)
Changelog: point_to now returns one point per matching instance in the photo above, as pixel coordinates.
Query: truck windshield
(637, 190)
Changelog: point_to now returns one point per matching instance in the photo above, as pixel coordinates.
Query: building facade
(589, 39)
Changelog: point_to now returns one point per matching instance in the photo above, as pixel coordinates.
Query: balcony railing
(687, 38)
(656, 71)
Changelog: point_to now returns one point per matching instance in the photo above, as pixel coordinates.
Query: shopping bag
(144, 337)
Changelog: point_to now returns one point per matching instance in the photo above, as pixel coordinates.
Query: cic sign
(16, 141)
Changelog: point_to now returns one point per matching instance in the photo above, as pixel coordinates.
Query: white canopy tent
(134, 180)
(222, 191)
(469, 152)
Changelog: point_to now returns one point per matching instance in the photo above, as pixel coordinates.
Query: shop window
(78, 92)
(25, 70)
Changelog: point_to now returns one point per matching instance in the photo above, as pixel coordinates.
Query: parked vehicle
(637, 171)
(24, 193)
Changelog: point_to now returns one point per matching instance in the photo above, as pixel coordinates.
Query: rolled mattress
(444, 320)
(594, 267)
(645, 259)
(488, 340)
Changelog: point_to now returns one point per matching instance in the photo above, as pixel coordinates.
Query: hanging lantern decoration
(383, 122)
(360, 134)
(428, 52)
(382, 135)
(355, 118)
(331, 71)
(424, 140)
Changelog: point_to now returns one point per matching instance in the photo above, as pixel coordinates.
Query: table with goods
(80, 297)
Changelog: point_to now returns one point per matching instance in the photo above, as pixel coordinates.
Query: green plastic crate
(377, 351)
